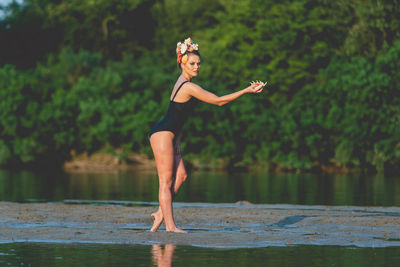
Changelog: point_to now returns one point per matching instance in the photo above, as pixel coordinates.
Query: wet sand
(209, 225)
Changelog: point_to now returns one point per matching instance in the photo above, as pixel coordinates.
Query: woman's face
(192, 66)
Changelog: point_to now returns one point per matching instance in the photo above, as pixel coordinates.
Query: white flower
(258, 83)
(186, 46)
(183, 48)
(188, 41)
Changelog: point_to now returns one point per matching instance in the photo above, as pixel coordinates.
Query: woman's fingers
(257, 86)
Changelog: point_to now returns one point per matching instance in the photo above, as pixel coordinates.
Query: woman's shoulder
(189, 84)
(186, 86)
(182, 83)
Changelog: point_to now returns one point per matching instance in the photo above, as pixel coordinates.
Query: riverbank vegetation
(86, 76)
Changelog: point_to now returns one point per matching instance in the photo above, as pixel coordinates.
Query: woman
(165, 135)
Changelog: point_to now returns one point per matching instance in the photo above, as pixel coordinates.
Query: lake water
(309, 189)
(50, 255)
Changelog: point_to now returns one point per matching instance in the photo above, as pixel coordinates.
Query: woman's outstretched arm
(208, 97)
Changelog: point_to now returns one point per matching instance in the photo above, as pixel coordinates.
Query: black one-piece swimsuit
(176, 116)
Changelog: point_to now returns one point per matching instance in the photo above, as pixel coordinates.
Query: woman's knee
(165, 180)
(182, 177)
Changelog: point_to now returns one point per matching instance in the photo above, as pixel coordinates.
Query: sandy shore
(209, 225)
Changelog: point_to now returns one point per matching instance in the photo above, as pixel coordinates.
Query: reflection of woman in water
(162, 258)
(165, 135)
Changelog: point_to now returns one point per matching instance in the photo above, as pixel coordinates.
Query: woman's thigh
(163, 150)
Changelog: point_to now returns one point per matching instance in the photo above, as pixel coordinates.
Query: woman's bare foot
(157, 219)
(177, 230)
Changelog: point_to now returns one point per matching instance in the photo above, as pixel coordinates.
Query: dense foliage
(84, 75)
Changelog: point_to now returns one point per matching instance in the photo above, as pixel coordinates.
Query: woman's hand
(255, 88)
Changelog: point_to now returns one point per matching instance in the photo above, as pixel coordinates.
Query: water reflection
(162, 257)
(101, 255)
(212, 187)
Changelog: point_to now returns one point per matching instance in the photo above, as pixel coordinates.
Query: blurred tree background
(84, 75)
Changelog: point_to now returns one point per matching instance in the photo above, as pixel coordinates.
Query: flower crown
(182, 48)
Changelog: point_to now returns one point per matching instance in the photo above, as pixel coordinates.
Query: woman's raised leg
(163, 150)
(180, 174)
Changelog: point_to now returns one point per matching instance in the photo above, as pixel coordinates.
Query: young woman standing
(165, 135)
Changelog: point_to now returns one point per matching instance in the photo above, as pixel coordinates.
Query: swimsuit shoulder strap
(178, 89)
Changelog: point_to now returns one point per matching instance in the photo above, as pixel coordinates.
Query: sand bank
(209, 225)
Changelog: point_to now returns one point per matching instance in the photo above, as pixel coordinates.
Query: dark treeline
(87, 75)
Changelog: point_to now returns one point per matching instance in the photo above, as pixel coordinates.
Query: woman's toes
(177, 230)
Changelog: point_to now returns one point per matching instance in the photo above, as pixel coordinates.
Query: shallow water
(42, 254)
(142, 187)
(213, 187)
